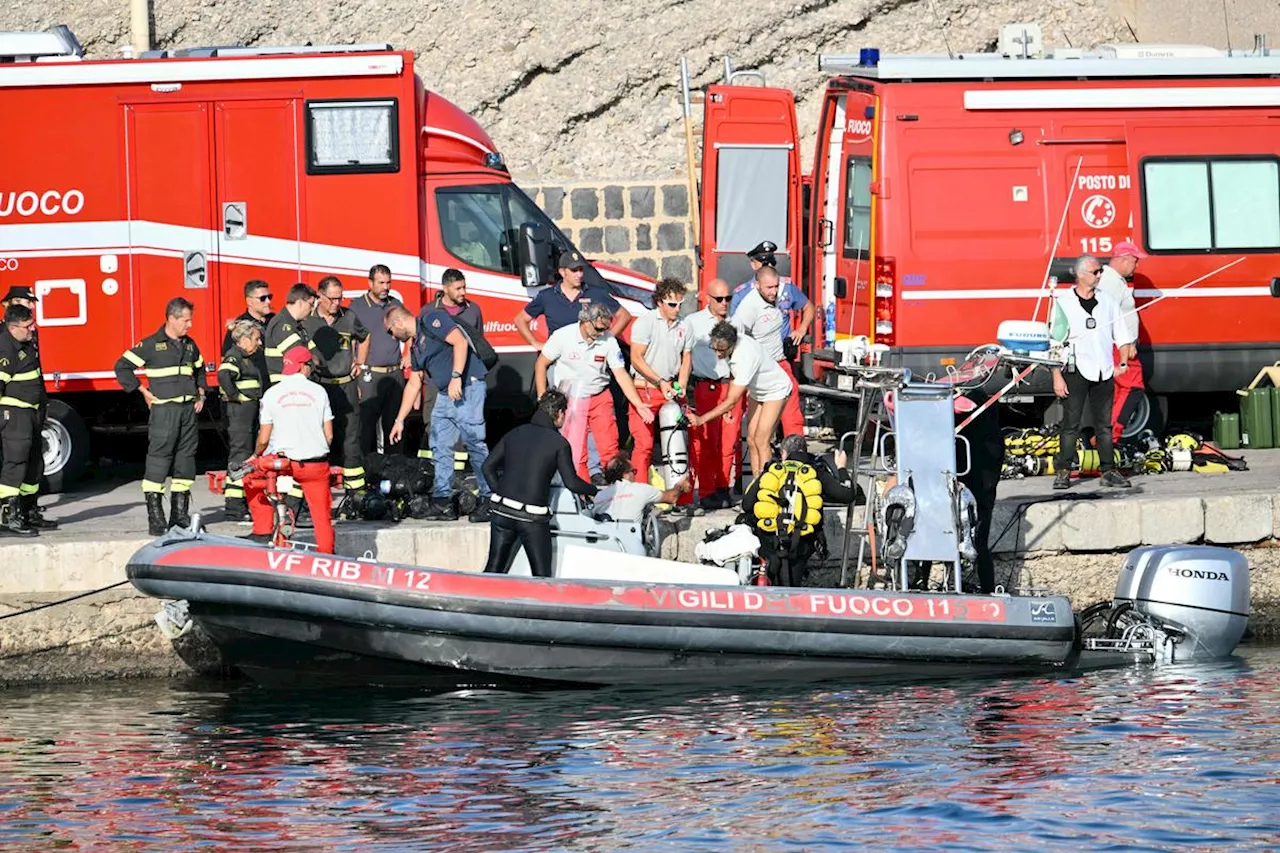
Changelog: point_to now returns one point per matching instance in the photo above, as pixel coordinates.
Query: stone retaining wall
(642, 225)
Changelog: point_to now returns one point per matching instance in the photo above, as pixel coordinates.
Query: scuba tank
(673, 444)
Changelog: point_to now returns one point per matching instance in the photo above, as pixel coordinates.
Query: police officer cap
(764, 253)
(20, 292)
(571, 260)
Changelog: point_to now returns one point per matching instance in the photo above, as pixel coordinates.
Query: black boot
(156, 523)
(179, 509)
(300, 511)
(442, 509)
(31, 514)
(235, 509)
(11, 522)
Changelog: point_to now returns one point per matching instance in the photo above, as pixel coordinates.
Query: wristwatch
(457, 374)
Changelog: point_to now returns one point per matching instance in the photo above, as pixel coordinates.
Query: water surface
(1186, 757)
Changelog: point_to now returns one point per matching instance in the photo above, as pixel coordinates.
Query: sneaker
(1113, 479)
(1062, 480)
(480, 515)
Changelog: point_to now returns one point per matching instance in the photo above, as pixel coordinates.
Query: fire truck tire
(1152, 413)
(66, 447)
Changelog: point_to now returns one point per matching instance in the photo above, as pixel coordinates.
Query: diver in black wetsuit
(529, 457)
(986, 446)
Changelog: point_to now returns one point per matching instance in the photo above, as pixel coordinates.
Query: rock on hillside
(585, 91)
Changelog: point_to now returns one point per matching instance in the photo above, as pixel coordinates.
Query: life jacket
(788, 499)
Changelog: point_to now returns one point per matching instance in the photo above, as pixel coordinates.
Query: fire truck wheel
(1151, 413)
(66, 447)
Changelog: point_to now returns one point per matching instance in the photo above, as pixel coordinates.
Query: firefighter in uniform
(22, 295)
(284, 332)
(22, 398)
(335, 331)
(242, 381)
(174, 392)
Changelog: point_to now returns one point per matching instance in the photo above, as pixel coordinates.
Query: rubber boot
(235, 509)
(31, 514)
(11, 523)
(156, 523)
(179, 509)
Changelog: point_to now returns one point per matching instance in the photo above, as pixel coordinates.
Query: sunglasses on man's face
(719, 298)
(672, 304)
(266, 297)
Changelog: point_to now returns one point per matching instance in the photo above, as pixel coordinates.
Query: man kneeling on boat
(520, 470)
(297, 423)
(624, 499)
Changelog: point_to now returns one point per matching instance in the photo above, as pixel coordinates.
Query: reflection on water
(1130, 759)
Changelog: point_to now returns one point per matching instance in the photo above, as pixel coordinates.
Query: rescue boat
(294, 616)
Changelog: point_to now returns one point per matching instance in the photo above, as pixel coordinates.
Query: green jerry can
(1255, 418)
(1226, 431)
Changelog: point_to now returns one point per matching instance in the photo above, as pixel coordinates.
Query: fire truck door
(750, 180)
(257, 198)
(171, 218)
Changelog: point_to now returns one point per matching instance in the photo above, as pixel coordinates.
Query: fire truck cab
(950, 193)
(127, 182)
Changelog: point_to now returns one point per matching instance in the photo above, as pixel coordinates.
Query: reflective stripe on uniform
(353, 478)
(231, 366)
(230, 491)
(28, 489)
(133, 358)
(162, 372)
(186, 399)
(248, 383)
(179, 485)
(9, 492)
(150, 486)
(21, 404)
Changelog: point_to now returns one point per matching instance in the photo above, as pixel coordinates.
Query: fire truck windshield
(480, 225)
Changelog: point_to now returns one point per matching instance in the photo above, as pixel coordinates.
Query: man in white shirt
(759, 316)
(758, 378)
(1089, 323)
(625, 499)
(715, 446)
(585, 353)
(297, 423)
(660, 360)
(1114, 282)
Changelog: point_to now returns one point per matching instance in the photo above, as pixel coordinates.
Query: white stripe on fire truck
(159, 239)
(189, 70)
(1032, 293)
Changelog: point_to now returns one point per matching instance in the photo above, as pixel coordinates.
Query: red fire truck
(124, 183)
(947, 190)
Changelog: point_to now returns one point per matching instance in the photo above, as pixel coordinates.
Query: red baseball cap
(1127, 248)
(295, 358)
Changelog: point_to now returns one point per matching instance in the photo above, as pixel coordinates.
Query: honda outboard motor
(1190, 601)
(673, 444)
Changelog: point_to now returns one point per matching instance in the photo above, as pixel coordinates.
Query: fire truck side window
(349, 136)
(1212, 205)
(472, 226)
(857, 207)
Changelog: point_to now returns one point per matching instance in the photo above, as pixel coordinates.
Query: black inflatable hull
(303, 618)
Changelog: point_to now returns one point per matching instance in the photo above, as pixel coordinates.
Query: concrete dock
(1071, 542)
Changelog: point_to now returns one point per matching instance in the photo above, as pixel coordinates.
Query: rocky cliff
(577, 91)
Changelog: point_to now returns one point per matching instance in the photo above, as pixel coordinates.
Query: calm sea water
(1186, 757)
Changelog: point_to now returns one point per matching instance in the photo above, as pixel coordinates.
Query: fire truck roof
(1020, 54)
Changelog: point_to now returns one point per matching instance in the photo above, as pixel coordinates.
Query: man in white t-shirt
(585, 353)
(625, 499)
(660, 360)
(296, 423)
(764, 383)
(1114, 282)
(758, 316)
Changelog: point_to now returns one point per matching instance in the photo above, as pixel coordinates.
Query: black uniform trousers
(507, 533)
(23, 451)
(346, 450)
(173, 438)
(1086, 404)
(379, 405)
(242, 434)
